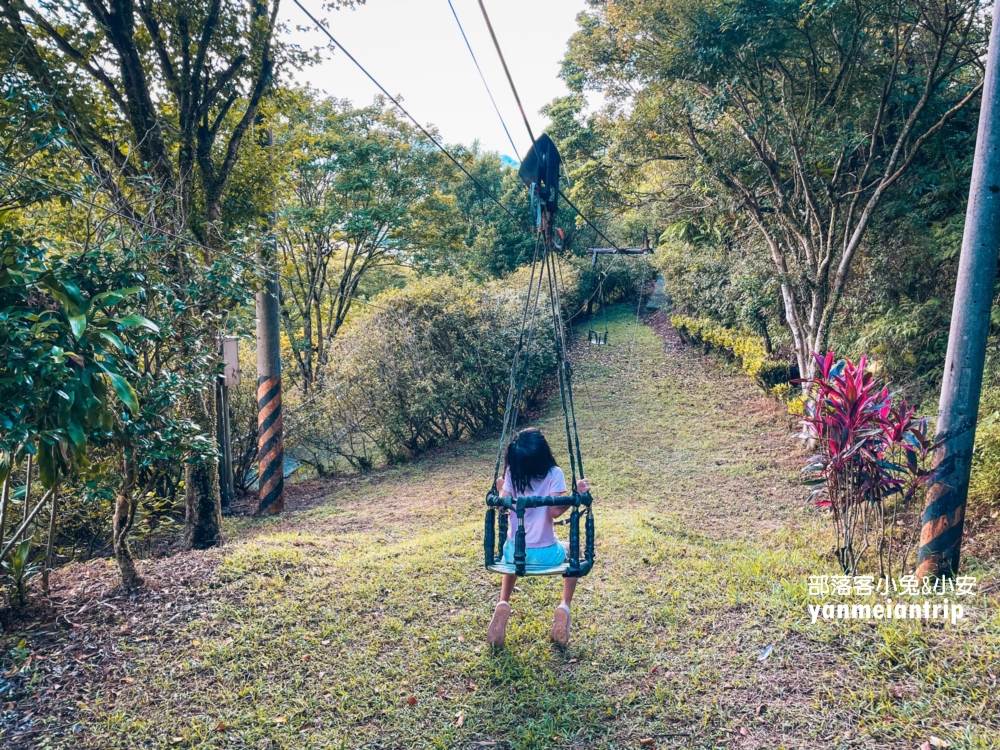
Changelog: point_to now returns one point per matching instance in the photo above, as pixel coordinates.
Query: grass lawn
(359, 619)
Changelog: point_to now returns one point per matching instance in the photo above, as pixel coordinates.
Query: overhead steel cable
(483, 79)
(506, 70)
(402, 109)
(527, 124)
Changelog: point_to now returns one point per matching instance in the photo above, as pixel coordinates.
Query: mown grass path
(359, 621)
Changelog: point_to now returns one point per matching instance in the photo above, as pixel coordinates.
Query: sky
(414, 49)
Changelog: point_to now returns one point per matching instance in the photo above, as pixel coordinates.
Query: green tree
(496, 243)
(158, 99)
(361, 191)
(795, 119)
(65, 364)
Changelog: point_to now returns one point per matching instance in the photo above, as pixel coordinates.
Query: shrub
(984, 484)
(871, 450)
(908, 343)
(20, 570)
(624, 277)
(423, 365)
(768, 373)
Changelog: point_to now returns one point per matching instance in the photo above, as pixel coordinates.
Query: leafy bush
(747, 349)
(20, 570)
(984, 483)
(62, 354)
(696, 272)
(710, 270)
(871, 450)
(423, 365)
(907, 343)
(91, 387)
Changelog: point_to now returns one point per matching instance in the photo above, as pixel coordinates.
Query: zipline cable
(527, 125)
(589, 223)
(402, 109)
(483, 79)
(506, 70)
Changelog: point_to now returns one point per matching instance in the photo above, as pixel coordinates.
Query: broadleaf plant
(872, 459)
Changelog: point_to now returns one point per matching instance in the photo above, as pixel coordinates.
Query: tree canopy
(792, 122)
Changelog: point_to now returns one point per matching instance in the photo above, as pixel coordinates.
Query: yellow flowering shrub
(770, 374)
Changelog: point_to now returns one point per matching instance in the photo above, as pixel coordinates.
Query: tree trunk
(125, 506)
(203, 504)
(53, 515)
(202, 499)
(765, 333)
(4, 501)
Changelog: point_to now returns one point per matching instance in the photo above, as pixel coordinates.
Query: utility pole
(230, 377)
(944, 512)
(270, 447)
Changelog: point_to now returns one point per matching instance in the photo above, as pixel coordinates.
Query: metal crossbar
(498, 509)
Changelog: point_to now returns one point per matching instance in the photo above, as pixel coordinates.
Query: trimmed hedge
(768, 373)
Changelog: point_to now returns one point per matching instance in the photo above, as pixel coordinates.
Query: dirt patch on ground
(75, 637)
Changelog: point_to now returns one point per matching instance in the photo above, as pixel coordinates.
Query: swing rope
(593, 335)
(565, 373)
(519, 365)
(545, 262)
(604, 310)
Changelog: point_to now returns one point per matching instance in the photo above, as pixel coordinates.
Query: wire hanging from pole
(483, 79)
(405, 112)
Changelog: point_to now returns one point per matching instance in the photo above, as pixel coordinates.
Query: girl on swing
(533, 472)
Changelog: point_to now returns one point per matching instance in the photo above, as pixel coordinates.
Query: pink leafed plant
(873, 452)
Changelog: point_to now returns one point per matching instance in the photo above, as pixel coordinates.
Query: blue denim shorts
(537, 557)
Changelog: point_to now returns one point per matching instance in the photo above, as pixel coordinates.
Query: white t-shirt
(538, 528)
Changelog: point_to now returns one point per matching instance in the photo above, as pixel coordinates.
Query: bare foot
(560, 625)
(496, 633)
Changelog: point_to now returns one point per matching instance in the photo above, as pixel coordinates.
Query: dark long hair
(528, 458)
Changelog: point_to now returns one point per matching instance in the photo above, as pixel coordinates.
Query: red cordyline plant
(872, 450)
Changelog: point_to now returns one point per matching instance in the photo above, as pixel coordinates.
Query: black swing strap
(564, 373)
(519, 365)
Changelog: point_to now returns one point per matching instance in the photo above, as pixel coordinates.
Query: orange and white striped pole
(270, 441)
